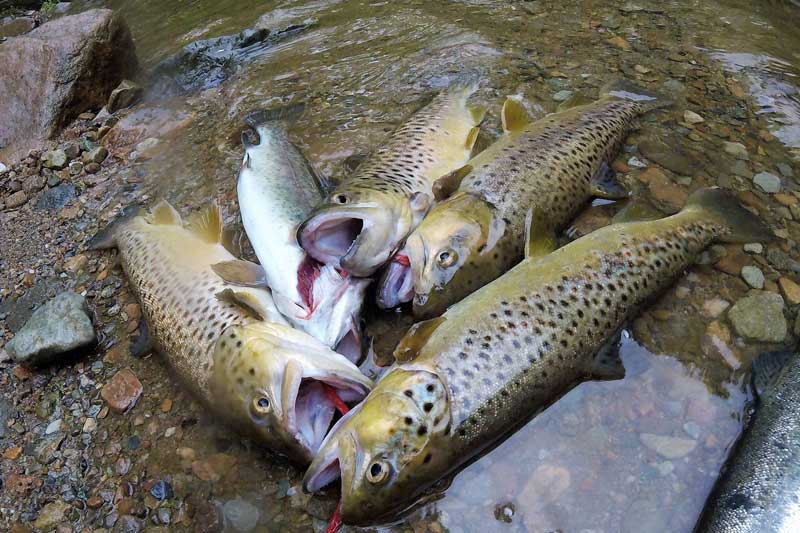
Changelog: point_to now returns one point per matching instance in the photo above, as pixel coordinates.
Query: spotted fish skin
(506, 352)
(364, 219)
(548, 167)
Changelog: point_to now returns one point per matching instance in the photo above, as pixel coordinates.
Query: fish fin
(724, 208)
(478, 113)
(164, 214)
(420, 202)
(607, 363)
(143, 343)
(207, 223)
(604, 184)
(539, 239)
(245, 300)
(409, 346)
(449, 183)
(241, 272)
(107, 237)
(636, 211)
(513, 116)
(288, 114)
(766, 369)
(626, 90)
(288, 307)
(233, 239)
(472, 136)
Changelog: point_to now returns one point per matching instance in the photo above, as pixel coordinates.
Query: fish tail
(107, 237)
(627, 90)
(724, 208)
(465, 84)
(286, 114)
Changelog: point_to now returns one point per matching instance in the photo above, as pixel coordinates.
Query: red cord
(330, 392)
(336, 519)
(402, 259)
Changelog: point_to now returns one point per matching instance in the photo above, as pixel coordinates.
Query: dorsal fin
(163, 213)
(207, 223)
(241, 272)
(449, 183)
(409, 346)
(514, 116)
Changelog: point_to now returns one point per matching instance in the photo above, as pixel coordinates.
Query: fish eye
(261, 406)
(447, 258)
(378, 472)
(341, 199)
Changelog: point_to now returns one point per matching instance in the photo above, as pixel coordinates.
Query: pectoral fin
(540, 240)
(604, 184)
(240, 272)
(449, 183)
(410, 345)
(246, 301)
(607, 364)
(513, 116)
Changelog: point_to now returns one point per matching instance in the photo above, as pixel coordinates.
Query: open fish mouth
(328, 468)
(397, 283)
(330, 236)
(351, 345)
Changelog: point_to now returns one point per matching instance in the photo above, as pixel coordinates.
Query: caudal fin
(724, 208)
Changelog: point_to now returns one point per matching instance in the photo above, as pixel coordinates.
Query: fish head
(271, 379)
(385, 450)
(358, 229)
(442, 259)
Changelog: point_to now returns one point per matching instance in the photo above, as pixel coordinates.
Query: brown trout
(549, 169)
(507, 351)
(361, 223)
(229, 344)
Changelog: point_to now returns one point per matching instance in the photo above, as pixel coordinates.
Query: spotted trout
(549, 169)
(759, 488)
(277, 189)
(229, 345)
(361, 223)
(467, 379)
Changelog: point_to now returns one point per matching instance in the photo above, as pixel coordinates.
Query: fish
(229, 345)
(550, 169)
(758, 490)
(364, 219)
(277, 188)
(467, 379)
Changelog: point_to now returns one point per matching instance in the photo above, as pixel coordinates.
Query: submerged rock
(759, 316)
(240, 515)
(123, 391)
(767, 182)
(753, 276)
(59, 326)
(125, 95)
(668, 447)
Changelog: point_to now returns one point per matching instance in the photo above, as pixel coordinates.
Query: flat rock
(122, 391)
(125, 95)
(58, 70)
(241, 515)
(55, 159)
(16, 199)
(666, 446)
(690, 117)
(669, 157)
(769, 183)
(52, 514)
(57, 327)
(737, 150)
(790, 291)
(759, 316)
(753, 276)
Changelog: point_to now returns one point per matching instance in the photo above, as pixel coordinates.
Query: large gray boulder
(57, 327)
(57, 71)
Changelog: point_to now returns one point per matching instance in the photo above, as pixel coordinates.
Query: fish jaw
(269, 379)
(396, 285)
(360, 236)
(385, 449)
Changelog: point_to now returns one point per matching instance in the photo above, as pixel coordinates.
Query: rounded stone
(759, 316)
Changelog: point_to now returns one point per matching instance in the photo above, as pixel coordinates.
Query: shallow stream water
(639, 454)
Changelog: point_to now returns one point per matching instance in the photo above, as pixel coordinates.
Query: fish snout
(396, 285)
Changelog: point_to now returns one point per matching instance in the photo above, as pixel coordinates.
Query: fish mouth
(351, 345)
(397, 283)
(327, 467)
(330, 236)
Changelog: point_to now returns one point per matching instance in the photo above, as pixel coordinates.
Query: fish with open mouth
(467, 379)
(230, 345)
(277, 189)
(361, 223)
(549, 169)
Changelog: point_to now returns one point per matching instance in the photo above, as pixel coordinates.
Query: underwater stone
(753, 276)
(668, 447)
(759, 316)
(767, 182)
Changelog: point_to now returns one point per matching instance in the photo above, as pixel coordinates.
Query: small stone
(547, 483)
(785, 170)
(122, 466)
(668, 447)
(94, 502)
(769, 183)
(76, 263)
(57, 327)
(186, 454)
(170, 431)
(715, 307)
(635, 162)
(166, 405)
(619, 42)
(562, 95)
(641, 69)
(759, 316)
(753, 276)
(34, 184)
(75, 168)
(790, 291)
(92, 168)
(72, 150)
(90, 425)
(133, 311)
(46, 449)
(162, 491)
(17, 199)
(55, 159)
(12, 453)
(737, 150)
(96, 155)
(52, 514)
(786, 200)
(125, 95)
(53, 427)
(753, 248)
(690, 117)
(241, 515)
(122, 392)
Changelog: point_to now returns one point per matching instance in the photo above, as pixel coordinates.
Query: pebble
(759, 316)
(170, 431)
(53, 427)
(92, 168)
(737, 150)
(785, 170)
(52, 514)
(690, 117)
(166, 405)
(753, 248)
(16, 199)
(715, 307)
(57, 327)
(55, 159)
(94, 502)
(668, 447)
(34, 183)
(620, 43)
(753, 276)
(162, 490)
(547, 483)
(122, 392)
(75, 168)
(72, 150)
(562, 95)
(635, 162)
(96, 155)
(90, 425)
(241, 515)
(3, 168)
(769, 183)
(790, 291)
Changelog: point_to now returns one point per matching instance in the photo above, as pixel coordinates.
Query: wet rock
(72, 150)
(790, 291)
(690, 117)
(53, 427)
(127, 524)
(51, 515)
(737, 150)
(45, 449)
(123, 391)
(562, 95)
(97, 155)
(668, 447)
(58, 327)
(125, 95)
(57, 197)
(58, 70)
(663, 189)
(92, 168)
(55, 159)
(75, 168)
(546, 484)
(753, 248)
(753, 276)
(16, 26)
(34, 184)
(669, 157)
(162, 491)
(780, 260)
(715, 307)
(240, 515)
(767, 182)
(16, 199)
(759, 316)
